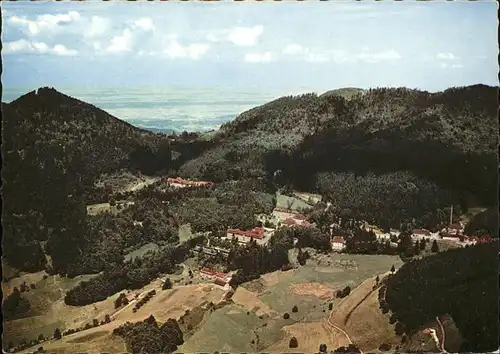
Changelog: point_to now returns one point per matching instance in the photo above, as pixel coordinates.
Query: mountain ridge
(459, 122)
(53, 150)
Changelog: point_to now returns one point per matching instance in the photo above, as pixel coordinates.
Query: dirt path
(329, 320)
(443, 339)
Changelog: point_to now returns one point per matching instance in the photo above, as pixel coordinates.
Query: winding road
(443, 339)
(330, 322)
(433, 333)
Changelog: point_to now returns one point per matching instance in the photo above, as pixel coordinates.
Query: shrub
(434, 247)
(167, 284)
(293, 343)
(57, 334)
(286, 316)
(295, 309)
(384, 347)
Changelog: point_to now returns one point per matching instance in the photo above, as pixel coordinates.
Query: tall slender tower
(451, 215)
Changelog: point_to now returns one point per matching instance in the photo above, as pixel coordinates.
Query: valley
(283, 234)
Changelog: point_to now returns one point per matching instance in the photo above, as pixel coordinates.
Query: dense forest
(388, 200)
(133, 274)
(149, 337)
(484, 223)
(14, 305)
(462, 283)
(433, 136)
(53, 149)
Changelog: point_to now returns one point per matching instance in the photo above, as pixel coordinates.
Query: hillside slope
(436, 136)
(53, 148)
(461, 283)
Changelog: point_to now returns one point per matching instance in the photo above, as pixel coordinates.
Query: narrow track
(443, 339)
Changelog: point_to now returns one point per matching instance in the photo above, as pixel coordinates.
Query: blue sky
(308, 45)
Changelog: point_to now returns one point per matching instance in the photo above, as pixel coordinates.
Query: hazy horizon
(167, 108)
(269, 47)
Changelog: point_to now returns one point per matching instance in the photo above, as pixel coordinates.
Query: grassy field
(236, 336)
(164, 305)
(95, 209)
(292, 203)
(185, 233)
(309, 198)
(47, 308)
(253, 322)
(141, 251)
(268, 298)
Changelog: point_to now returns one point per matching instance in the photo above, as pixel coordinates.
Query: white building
(419, 234)
(338, 243)
(454, 229)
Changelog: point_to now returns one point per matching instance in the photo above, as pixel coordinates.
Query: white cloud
(175, 50)
(25, 46)
(146, 53)
(264, 57)
(214, 37)
(245, 36)
(457, 66)
(60, 49)
(121, 43)
(301, 53)
(45, 22)
(145, 24)
(306, 54)
(446, 56)
(97, 27)
(388, 55)
(294, 49)
(17, 46)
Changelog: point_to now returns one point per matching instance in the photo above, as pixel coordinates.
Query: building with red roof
(306, 224)
(245, 236)
(289, 222)
(220, 282)
(213, 274)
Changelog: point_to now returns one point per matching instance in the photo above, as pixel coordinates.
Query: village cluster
(281, 217)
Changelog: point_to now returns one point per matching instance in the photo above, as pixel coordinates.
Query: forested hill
(448, 137)
(53, 148)
(462, 283)
(52, 120)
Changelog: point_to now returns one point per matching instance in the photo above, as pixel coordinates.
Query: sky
(308, 45)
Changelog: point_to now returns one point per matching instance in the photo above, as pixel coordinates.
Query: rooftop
(421, 232)
(338, 239)
(256, 232)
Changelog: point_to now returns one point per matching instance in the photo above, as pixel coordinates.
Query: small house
(419, 234)
(338, 243)
(289, 222)
(245, 236)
